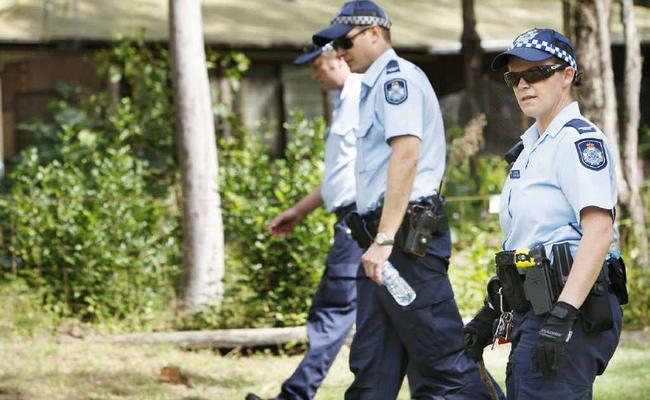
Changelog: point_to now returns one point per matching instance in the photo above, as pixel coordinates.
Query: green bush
(82, 224)
(476, 234)
(270, 281)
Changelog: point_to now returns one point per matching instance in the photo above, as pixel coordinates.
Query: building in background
(44, 42)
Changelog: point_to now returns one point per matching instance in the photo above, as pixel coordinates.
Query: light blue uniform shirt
(568, 168)
(337, 187)
(397, 99)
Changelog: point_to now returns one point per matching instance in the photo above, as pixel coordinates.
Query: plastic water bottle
(401, 291)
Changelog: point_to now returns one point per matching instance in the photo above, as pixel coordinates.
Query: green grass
(58, 367)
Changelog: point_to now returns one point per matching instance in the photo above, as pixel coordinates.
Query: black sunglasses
(532, 75)
(345, 42)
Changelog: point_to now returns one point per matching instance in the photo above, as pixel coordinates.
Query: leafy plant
(272, 280)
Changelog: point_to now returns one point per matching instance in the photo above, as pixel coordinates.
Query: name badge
(514, 174)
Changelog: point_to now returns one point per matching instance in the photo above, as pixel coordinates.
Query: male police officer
(399, 167)
(334, 305)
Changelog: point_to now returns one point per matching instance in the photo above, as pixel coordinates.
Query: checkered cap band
(361, 20)
(549, 48)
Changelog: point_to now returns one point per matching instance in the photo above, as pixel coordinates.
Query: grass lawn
(53, 368)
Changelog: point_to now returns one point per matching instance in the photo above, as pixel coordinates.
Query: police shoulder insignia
(393, 66)
(395, 91)
(581, 126)
(591, 153)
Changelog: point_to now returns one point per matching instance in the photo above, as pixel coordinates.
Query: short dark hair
(386, 34)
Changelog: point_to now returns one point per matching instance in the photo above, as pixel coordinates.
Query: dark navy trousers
(426, 336)
(585, 357)
(331, 316)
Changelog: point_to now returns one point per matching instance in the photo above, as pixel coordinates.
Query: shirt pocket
(364, 147)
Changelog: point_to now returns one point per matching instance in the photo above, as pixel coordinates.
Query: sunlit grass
(59, 367)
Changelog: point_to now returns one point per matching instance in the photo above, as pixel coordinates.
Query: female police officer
(560, 190)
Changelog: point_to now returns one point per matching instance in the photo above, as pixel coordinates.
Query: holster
(423, 220)
(527, 279)
(359, 229)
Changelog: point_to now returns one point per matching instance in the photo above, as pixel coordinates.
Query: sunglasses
(345, 42)
(532, 75)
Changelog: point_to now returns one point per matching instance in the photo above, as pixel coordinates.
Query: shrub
(272, 280)
(82, 224)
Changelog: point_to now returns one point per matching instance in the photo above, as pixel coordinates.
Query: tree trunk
(472, 59)
(631, 116)
(587, 50)
(610, 116)
(203, 248)
(568, 7)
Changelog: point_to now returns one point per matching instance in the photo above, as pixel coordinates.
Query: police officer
(561, 191)
(333, 308)
(400, 161)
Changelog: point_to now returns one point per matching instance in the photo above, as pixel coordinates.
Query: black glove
(479, 332)
(553, 337)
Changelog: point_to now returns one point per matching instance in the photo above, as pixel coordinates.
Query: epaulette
(393, 66)
(580, 125)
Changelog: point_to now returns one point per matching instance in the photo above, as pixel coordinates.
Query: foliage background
(89, 216)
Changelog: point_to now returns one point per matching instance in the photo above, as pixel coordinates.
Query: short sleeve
(401, 107)
(586, 172)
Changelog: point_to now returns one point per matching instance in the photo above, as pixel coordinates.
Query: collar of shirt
(351, 85)
(531, 137)
(376, 68)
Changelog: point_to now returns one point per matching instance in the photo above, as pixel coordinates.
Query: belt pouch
(618, 279)
(513, 288)
(596, 311)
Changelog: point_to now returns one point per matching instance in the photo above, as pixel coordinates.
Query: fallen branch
(225, 338)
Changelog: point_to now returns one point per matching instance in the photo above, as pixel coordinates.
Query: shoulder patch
(393, 66)
(591, 153)
(580, 125)
(395, 91)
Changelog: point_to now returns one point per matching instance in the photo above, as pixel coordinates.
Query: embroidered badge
(526, 36)
(393, 66)
(592, 153)
(514, 174)
(395, 91)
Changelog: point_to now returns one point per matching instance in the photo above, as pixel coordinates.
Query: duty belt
(528, 279)
(424, 219)
(343, 211)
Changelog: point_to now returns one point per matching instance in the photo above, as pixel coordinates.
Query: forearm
(309, 203)
(402, 167)
(588, 262)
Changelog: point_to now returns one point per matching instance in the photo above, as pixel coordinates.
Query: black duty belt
(424, 219)
(529, 279)
(343, 211)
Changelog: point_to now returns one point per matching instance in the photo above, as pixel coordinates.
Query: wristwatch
(383, 240)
